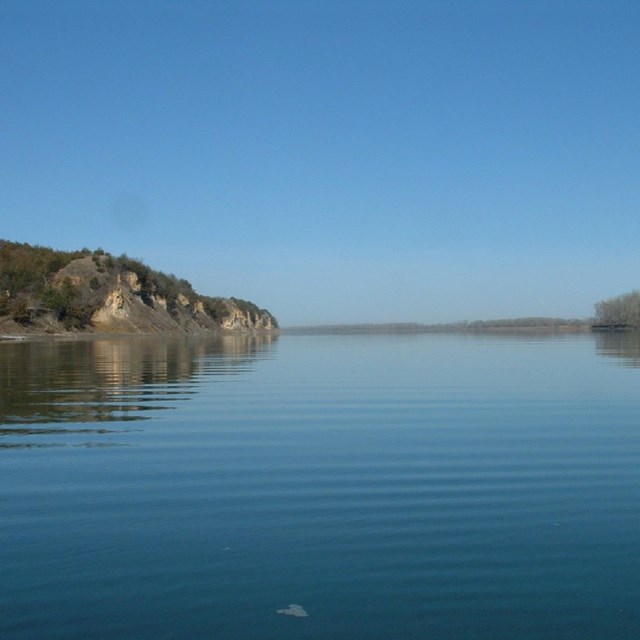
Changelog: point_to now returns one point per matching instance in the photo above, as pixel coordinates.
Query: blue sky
(334, 161)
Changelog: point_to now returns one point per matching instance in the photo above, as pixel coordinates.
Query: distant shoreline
(518, 325)
(515, 326)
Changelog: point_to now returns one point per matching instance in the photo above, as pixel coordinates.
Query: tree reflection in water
(124, 379)
(624, 345)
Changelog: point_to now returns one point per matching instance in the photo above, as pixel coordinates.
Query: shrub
(19, 309)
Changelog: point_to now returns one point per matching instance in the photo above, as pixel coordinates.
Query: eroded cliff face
(239, 320)
(125, 309)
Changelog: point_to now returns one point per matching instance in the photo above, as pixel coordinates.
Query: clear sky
(334, 161)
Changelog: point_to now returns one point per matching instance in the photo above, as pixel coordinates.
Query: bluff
(44, 290)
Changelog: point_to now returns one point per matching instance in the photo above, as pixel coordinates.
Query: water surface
(428, 486)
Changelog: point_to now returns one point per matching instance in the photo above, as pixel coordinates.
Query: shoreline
(7, 337)
(412, 329)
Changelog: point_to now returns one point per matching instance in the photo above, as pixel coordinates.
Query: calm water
(441, 487)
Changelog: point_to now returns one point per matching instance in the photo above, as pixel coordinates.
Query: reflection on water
(620, 344)
(107, 380)
(48, 386)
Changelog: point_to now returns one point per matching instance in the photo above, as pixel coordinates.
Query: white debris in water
(294, 610)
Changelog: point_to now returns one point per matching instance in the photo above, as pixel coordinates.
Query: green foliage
(19, 308)
(216, 308)
(27, 269)
(70, 304)
(4, 302)
(59, 299)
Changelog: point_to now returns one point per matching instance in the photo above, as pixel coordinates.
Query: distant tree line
(623, 310)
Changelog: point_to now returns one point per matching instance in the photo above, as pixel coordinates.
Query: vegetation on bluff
(70, 286)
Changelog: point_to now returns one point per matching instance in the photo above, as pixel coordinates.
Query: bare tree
(619, 310)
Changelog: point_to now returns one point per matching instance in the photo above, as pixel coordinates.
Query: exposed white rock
(114, 306)
(134, 282)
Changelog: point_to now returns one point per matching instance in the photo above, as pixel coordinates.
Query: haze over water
(425, 486)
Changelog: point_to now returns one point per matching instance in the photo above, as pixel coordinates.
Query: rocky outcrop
(239, 320)
(125, 309)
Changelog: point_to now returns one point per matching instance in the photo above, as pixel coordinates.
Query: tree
(621, 310)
